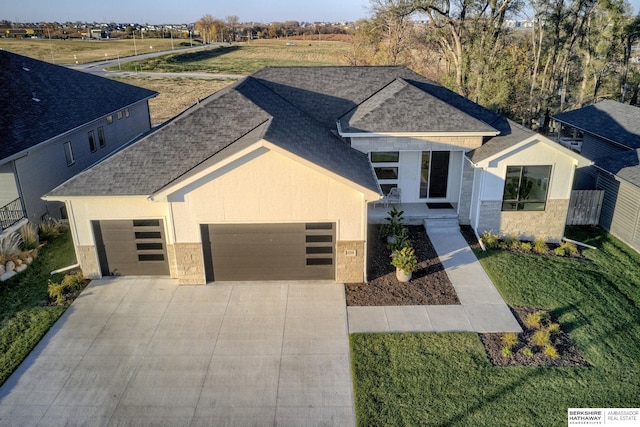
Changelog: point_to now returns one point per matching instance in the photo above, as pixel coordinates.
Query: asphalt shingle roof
(607, 119)
(42, 100)
(624, 165)
(403, 106)
(512, 134)
(296, 108)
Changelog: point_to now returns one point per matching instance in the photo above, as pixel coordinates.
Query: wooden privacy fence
(584, 207)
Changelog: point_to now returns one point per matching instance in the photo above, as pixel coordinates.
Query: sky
(188, 11)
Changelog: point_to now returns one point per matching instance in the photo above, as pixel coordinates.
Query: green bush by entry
(69, 284)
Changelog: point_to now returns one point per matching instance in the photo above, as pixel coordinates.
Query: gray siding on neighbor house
(595, 148)
(45, 167)
(620, 209)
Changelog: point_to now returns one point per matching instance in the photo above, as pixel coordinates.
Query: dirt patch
(526, 352)
(429, 285)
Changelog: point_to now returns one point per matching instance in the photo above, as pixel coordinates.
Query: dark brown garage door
(298, 251)
(131, 247)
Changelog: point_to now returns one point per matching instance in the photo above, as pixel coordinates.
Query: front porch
(414, 213)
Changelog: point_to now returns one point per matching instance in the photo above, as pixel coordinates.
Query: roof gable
(607, 119)
(401, 107)
(48, 100)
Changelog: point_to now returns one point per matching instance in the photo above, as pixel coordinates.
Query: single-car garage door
(131, 247)
(291, 251)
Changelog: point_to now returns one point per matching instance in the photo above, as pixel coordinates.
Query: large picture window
(526, 188)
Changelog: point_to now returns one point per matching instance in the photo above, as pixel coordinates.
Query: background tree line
(213, 29)
(575, 52)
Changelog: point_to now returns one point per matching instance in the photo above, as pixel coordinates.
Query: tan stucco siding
(84, 210)
(270, 188)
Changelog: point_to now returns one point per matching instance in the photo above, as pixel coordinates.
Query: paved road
(99, 68)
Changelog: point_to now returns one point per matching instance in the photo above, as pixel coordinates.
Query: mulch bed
(429, 285)
(568, 355)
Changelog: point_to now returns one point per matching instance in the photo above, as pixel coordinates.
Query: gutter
(63, 269)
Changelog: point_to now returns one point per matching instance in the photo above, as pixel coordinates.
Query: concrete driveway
(144, 351)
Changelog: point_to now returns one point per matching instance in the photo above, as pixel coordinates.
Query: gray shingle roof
(405, 107)
(624, 165)
(512, 134)
(295, 108)
(607, 119)
(192, 139)
(64, 100)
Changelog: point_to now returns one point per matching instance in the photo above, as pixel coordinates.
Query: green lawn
(23, 318)
(246, 59)
(446, 379)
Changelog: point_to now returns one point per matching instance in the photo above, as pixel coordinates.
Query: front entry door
(434, 174)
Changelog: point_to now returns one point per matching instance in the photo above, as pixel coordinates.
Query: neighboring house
(279, 176)
(610, 133)
(55, 122)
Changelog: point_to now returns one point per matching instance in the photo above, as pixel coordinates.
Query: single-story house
(279, 176)
(56, 122)
(610, 133)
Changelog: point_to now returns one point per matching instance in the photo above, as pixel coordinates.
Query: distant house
(279, 177)
(54, 123)
(610, 133)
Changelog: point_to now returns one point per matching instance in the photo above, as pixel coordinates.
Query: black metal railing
(11, 213)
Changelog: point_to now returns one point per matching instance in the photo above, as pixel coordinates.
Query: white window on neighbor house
(109, 119)
(101, 139)
(385, 166)
(120, 114)
(92, 141)
(68, 153)
(126, 112)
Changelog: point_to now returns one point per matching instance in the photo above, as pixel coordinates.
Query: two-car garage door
(284, 251)
(289, 251)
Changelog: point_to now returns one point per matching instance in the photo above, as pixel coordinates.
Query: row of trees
(576, 52)
(230, 29)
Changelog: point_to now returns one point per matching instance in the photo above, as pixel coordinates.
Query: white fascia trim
(161, 196)
(413, 134)
(369, 195)
(100, 196)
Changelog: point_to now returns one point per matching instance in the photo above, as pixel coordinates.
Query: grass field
(175, 93)
(23, 318)
(82, 51)
(247, 58)
(446, 379)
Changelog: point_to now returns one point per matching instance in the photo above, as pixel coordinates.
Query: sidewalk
(481, 308)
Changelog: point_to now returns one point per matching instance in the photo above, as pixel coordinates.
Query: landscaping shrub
(540, 246)
(507, 352)
(401, 241)
(551, 351)
(69, 284)
(490, 239)
(29, 235)
(535, 320)
(526, 247)
(511, 243)
(570, 249)
(542, 338)
(527, 352)
(10, 247)
(50, 228)
(510, 339)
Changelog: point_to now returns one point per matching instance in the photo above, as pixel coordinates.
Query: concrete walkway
(145, 351)
(482, 309)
